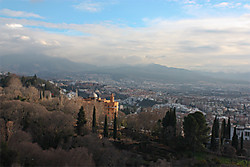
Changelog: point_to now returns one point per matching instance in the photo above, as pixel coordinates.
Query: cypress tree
(223, 131)
(217, 127)
(213, 141)
(215, 133)
(94, 121)
(81, 121)
(105, 129)
(229, 129)
(115, 128)
(235, 139)
(169, 121)
(166, 120)
(174, 121)
(241, 141)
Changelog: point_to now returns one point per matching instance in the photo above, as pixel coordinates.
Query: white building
(239, 130)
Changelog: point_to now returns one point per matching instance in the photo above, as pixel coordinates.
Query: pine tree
(241, 141)
(81, 121)
(235, 142)
(115, 128)
(105, 129)
(195, 130)
(94, 121)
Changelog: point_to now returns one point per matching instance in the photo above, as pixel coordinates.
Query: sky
(205, 35)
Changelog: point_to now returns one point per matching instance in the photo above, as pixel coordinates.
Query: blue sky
(211, 35)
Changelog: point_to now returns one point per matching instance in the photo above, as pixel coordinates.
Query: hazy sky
(212, 35)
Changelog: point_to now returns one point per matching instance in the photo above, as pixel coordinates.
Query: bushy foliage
(7, 155)
(48, 129)
(195, 130)
(31, 154)
(104, 153)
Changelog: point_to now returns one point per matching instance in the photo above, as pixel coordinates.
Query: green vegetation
(105, 129)
(81, 121)
(235, 142)
(228, 131)
(223, 131)
(169, 125)
(115, 127)
(94, 128)
(196, 131)
(208, 159)
(215, 134)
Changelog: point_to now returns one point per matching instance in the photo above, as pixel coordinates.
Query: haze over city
(197, 35)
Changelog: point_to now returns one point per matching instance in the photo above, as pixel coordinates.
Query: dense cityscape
(231, 101)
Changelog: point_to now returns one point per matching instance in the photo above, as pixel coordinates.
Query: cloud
(13, 13)
(89, 6)
(25, 38)
(189, 2)
(222, 4)
(228, 5)
(209, 43)
(14, 25)
(247, 6)
(94, 5)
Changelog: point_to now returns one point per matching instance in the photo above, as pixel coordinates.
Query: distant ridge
(27, 64)
(54, 67)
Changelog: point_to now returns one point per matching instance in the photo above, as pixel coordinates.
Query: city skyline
(197, 35)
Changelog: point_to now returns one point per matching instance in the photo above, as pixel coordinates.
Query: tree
(190, 130)
(94, 128)
(81, 121)
(105, 129)
(223, 131)
(215, 134)
(235, 142)
(195, 130)
(229, 129)
(241, 141)
(115, 127)
(169, 124)
(213, 140)
(170, 118)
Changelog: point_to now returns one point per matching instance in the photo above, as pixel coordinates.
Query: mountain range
(54, 67)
